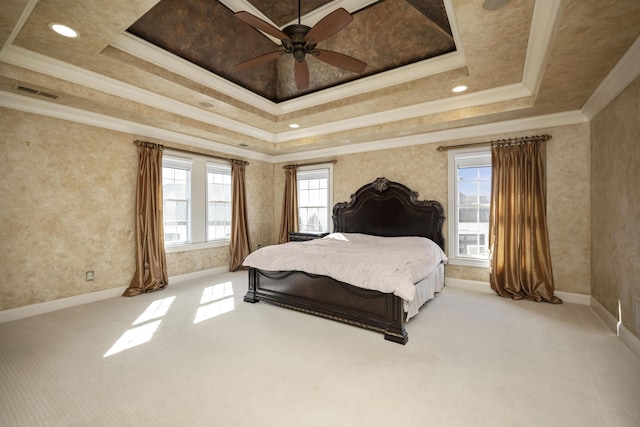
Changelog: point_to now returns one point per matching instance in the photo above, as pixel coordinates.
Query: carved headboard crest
(380, 184)
(387, 208)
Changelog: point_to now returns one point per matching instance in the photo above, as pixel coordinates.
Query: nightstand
(303, 237)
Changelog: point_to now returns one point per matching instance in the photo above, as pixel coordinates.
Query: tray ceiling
(528, 64)
(385, 35)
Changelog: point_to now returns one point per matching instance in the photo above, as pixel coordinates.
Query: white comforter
(385, 264)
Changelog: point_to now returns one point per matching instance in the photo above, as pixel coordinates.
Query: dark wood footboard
(326, 297)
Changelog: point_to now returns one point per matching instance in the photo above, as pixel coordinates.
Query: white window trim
(453, 211)
(198, 212)
(221, 169)
(177, 162)
(330, 185)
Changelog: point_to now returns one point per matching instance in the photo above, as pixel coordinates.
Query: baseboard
(472, 285)
(58, 304)
(62, 303)
(476, 285)
(174, 280)
(619, 329)
(625, 335)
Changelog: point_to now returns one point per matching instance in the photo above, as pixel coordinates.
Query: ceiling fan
(300, 40)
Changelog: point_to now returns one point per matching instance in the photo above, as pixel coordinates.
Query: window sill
(195, 246)
(469, 262)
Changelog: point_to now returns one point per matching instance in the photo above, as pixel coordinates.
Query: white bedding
(385, 264)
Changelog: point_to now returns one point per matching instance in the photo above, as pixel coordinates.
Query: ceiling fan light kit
(300, 40)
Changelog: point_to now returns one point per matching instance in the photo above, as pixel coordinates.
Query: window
(469, 204)
(176, 200)
(314, 198)
(196, 202)
(218, 201)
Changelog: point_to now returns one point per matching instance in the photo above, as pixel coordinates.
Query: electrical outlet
(89, 276)
(636, 312)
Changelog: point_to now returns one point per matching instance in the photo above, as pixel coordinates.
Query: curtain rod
(242, 162)
(309, 164)
(508, 141)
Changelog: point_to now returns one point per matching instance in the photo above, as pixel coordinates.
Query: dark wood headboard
(387, 208)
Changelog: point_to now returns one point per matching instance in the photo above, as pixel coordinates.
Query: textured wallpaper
(424, 169)
(69, 193)
(68, 208)
(70, 196)
(615, 176)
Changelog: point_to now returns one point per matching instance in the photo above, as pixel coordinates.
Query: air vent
(36, 92)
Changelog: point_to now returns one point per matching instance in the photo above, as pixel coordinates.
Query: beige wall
(615, 176)
(424, 169)
(69, 199)
(68, 207)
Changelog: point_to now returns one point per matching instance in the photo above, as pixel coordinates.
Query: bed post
(254, 282)
(395, 331)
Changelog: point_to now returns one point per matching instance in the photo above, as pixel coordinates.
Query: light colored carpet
(473, 359)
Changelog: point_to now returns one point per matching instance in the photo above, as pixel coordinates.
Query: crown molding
(34, 61)
(26, 12)
(440, 64)
(151, 53)
(485, 130)
(543, 26)
(622, 75)
(474, 99)
(148, 52)
(40, 63)
(37, 62)
(51, 109)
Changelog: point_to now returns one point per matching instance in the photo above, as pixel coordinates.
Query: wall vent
(36, 92)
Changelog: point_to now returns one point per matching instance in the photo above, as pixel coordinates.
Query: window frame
(471, 157)
(322, 166)
(178, 163)
(198, 203)
(219, 169)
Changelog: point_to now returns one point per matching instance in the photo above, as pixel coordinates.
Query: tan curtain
(151, 263)
(521, 262)
(240, 244)
(290, 204)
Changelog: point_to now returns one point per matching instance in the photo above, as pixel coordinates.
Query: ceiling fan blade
(329, 25)
(301, 73)
(261, 25)
(258, 60)
(340, 60)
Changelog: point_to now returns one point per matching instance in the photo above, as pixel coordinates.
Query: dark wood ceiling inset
(283, 12)
(386, 35)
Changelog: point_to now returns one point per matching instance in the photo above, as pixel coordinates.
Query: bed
(382, 208)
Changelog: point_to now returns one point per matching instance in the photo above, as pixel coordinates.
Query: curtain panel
(520, 256)
(151, 263)
(289, 221)
(240, 244)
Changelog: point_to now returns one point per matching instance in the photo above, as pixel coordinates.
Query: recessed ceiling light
(458, 89)
(294, 126)
(205, 104)
(405, 132)
(63, 30)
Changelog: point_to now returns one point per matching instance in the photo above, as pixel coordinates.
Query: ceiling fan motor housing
(298, 46)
